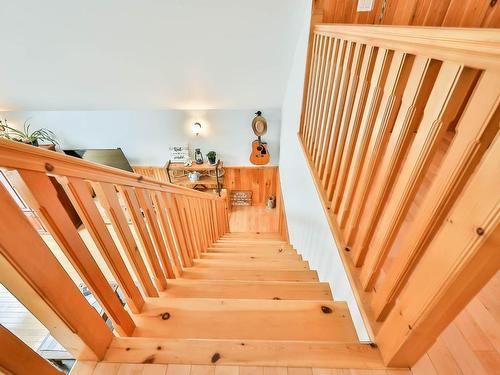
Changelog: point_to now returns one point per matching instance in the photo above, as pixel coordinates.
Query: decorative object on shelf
(271, 202)
(188, 163)
(196, 128)
(179, 154)
(241, 198)
(198, 156)
(194, 176)
(25, 136)
(212, 157)
(260, 151)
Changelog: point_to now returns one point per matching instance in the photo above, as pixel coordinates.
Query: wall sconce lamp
(196, 128)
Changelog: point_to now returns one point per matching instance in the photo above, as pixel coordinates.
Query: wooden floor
(253, 219)
(18, 320)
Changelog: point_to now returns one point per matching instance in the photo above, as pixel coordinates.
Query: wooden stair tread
(285, 290)
(252, 263)
(244, 352)
(252, 250)
(259, 256)
(245, 319)
(249, 274)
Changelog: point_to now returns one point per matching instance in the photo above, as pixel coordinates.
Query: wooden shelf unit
(207, 179)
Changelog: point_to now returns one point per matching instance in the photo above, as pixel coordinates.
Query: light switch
(365, 5)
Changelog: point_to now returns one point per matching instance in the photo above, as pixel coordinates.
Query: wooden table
(211, 175)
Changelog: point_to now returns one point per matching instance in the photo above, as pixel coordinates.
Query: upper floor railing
(400, 126)
(137, 231)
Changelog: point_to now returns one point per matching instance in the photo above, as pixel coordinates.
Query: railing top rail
(16, 155)
(476, 48)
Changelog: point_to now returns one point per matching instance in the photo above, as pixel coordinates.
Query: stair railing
(145, 231)
(400, 127)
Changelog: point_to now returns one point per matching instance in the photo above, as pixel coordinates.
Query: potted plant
(25, 136)
(212, 157)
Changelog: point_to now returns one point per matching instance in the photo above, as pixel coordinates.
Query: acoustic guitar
(260, 152)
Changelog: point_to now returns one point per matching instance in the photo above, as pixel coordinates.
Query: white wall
(307, 223)
(145, 54)
(145, 136)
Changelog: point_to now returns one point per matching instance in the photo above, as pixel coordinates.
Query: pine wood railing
(146, 232)
(400, 126)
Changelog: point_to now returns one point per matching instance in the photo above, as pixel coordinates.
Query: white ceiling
(146, 54)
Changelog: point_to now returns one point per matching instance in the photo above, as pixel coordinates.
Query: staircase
(249, 299)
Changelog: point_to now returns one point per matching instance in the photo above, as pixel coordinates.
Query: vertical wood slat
(167, 232)
(316, 83)
(108, 198)
(461, 258)
(150, 215)
(31, 272)
(305, 118)
(79, 193)
(351, 75)
(135, 212)
(322, 161)
(180, 203)
(389, 106)
(450, 90)
(380, 71)
(475, 131)
(175, 224)
(418, 88)
(324, 49)
(38, 191)
(18, 358)
(335, 192)
(324, 94)
(336, 110)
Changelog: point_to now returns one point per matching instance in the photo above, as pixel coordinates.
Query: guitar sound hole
(259, 148)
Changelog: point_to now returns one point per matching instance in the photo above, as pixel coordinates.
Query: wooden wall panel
(261, 181)
(449, 13)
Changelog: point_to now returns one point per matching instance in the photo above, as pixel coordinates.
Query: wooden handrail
(477, 48)
(399, 126)
(17, 155)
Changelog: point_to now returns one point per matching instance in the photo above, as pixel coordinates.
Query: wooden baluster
(193, 223)
(317, 94)
(206, 229)
(201, 219)
(459, 261)
(390, 103)
(418, 89)
(31, 272)
(380, 71)
(214, 219)
(365, 77)
(154, 229)
(78, 191)
(136, 215)
(206, 208)
(39, 192)
(312, 97)
(326, 84)
(475, 132)
(168, 234)
(335, 111)
(350, 79)
(452, 86)
(307, 98)
(177, 228)
(317, 77)
(181, 204)
(18, 358)
(108, 198)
